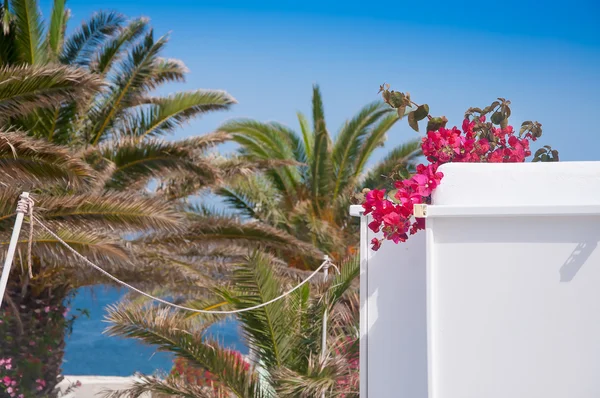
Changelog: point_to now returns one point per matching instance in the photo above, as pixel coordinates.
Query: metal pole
(324, 335)
(21, 209)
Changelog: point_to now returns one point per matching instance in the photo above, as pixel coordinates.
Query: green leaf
(57, 27)
(83, 43)
(28, 23)
(539, 152)
(421, 112)
(497, 117)
(401, 111)
(555, 155)
(27, 88)
(6, 18)
(412, 121)
(396, 99)
(435, 123)
(165, 114)
(524, 128)
(114, 49)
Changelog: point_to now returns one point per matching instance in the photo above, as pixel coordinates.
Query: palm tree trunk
(32, 329)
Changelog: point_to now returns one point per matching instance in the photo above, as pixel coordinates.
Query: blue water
(90, 352)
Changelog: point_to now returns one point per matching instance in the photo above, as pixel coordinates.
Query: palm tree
(87, 103)
(310, 197)
(286, 336)
(125, 114)
(68, 200)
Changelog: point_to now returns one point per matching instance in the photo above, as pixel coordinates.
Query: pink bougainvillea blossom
(392, 213)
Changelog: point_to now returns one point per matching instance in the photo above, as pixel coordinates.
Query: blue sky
(451, 55)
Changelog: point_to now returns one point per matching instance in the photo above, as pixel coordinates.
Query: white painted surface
(92, 386)
(393, 322)
(514, 301)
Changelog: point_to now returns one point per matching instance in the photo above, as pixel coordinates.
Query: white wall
(514, 291)
(393, 319)
(498, 298)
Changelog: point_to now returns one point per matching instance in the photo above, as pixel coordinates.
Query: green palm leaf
(134, 76)
(56, 31)
(321, 166)
(27, 162)
(221, 229)
(349, 142)
(266, 141)
(168, 70)
(6, 17)
(110, 52)
(137, 162)
(307, 136)
(171, 387)
(165, 114)
(266, 328)
(27, 88)
(95, 246)
(171, 332)
(401, 160)
(81, 45)
(125, 211)
(253, 196)
(28, 24)
(375, 139)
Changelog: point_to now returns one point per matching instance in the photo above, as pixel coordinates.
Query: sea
(89, 351)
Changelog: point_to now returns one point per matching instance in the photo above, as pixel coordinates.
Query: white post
(21, 209)
(324, 335)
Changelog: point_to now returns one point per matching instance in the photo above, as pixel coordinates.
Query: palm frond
(167, 113)
(83, 43)
(168, 70)
(134, 76)
(267, 141)
(25, 162)
(29, 30)
(253, 196)
(27, 88)
(318, 111)
(172, 387)
(126, 211)
(340, 283)
(376, 139)
(56, 30)
(6, 17)
(220, 229)
(55, 124)
(97, 247)
(321, 377)
(400, 160)
(321, 172)
(307, 136)
(171, 332)
(229, 167)
(110, 52)
(266, 328)
(321, 168)
(137, 162)
(349, 142)
(9, 53)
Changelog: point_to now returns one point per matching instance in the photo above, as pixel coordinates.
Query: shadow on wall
(580, 255)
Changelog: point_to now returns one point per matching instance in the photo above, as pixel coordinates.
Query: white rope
(325, 263)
